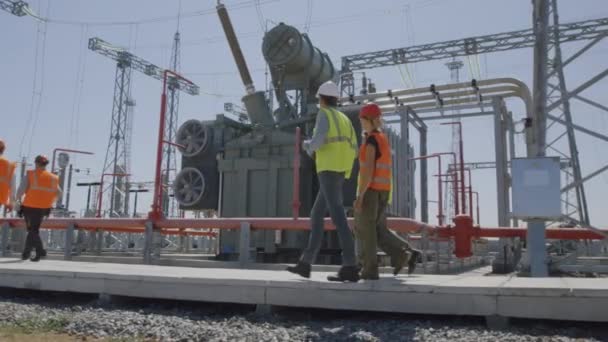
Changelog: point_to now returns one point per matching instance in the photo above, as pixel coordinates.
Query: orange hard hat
(370, 111)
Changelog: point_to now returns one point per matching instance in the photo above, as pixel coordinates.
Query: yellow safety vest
(340, 147)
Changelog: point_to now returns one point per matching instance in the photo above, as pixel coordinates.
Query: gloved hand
(306, 147)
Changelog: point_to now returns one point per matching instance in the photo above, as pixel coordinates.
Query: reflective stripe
(381, 180)
(35, 186)
(339, 138)
(383, 166)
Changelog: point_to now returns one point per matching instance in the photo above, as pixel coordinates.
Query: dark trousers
(329, 199)
(33, 220)
(372, 231)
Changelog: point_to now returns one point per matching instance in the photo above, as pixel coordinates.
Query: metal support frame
(116, 160)
(537, 255)
(408, 116)
(117, 155)
(504, 263)
(171, 123)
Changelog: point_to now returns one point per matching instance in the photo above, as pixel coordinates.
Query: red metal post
(65, 150)
(157, 200)
(100, 197)
(296, 175)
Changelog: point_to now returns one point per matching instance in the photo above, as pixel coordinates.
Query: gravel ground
(131, 319)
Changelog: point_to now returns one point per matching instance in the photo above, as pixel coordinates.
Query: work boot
(400, 261)
(346, 273)
(370, 276)
(36, 258)
(25, 255)
(411, 265)
(301, 268)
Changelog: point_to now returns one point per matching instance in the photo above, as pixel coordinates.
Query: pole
(440, 199)
(296, 175)
(461, 145)
(88, 201)
(470, 195)
(477, 198)
(135, 204)
(69, 190)
(157, 201)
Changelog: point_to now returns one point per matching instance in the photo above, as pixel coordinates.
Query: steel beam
(583, 30)
(580, 89)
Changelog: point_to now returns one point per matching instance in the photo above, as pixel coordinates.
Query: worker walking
(7, 181)
(373, 195)
(333, 146)
(40, 188)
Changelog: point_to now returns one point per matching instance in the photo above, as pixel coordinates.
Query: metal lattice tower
(171, 122)
(116, 160)
(564, 142)
(118, 152)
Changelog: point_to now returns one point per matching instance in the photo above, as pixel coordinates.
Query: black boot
(346, 273)
(43, 253)
(25, 255)
(411, 264)
(400, 260)
(301, 268)
(36, 258)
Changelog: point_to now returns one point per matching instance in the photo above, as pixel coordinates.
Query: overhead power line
(210, 11)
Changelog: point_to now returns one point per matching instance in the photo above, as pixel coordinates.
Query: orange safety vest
(381, 179)
(7, 169)
(42, 189)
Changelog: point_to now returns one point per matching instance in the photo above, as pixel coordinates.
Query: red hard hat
(370, 111)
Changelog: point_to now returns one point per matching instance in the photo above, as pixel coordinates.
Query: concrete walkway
(467, 294)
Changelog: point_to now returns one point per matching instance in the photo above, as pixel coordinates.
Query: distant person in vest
(7, 181)
(373, 195)
(40, 188)
(333, 147)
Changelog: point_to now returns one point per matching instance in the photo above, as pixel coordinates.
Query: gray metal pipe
(237, 53)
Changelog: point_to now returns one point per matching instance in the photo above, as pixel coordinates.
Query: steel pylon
(171, 122)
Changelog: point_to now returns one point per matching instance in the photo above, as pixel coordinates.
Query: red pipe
(100, 197)
(65, 150)
(296, 175)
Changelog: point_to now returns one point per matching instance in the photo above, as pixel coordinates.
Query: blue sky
(76, 97)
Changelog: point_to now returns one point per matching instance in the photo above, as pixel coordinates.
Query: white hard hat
(329, 88)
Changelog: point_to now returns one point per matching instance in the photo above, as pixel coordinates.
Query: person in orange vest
(7, 181)
(373, 191)
(40, 188)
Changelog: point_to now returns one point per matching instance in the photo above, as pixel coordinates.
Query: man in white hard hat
(333, 147)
